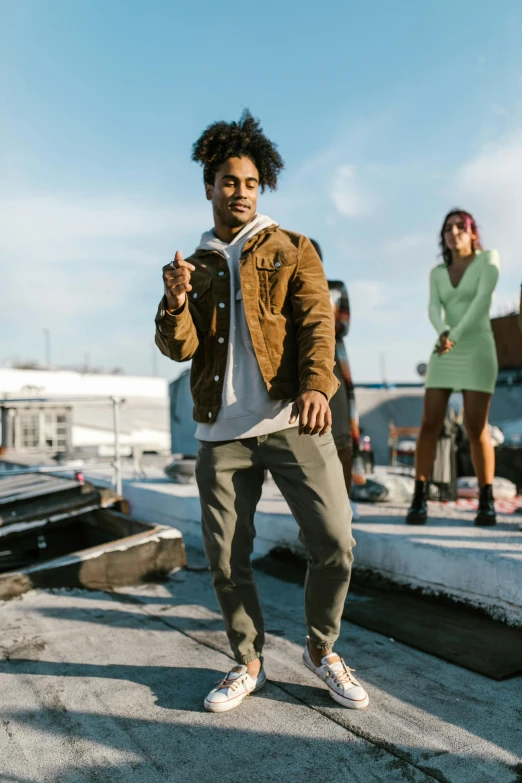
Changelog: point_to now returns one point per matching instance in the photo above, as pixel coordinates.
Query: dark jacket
(341, 311)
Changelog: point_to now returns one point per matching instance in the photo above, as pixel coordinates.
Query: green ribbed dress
(472, 363)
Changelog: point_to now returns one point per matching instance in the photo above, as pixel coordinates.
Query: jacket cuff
(166, 322)
(321, 384)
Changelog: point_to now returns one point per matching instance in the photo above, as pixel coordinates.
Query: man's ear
(208, 191)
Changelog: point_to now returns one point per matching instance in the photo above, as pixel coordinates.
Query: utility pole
(47, 335)
(116, 402)
(383, 369)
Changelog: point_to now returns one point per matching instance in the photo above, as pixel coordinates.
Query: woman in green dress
(464, 358)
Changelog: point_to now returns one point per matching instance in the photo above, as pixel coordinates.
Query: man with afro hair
(251, 309)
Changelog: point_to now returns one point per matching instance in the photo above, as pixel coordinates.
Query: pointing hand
(176, 279)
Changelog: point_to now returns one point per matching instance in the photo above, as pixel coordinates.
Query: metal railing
(116, 403)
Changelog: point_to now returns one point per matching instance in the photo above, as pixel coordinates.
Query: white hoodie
(246, 409)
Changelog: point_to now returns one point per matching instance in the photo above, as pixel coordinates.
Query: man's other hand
(313, 412)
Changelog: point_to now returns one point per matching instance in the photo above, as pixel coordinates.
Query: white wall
(148, 439)
(67, 383)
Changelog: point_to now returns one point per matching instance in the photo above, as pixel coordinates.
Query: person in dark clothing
(345, 421)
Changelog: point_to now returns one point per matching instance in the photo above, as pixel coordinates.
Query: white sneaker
(343, 686)
(233, 688)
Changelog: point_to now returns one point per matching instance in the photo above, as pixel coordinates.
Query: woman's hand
(445, 344)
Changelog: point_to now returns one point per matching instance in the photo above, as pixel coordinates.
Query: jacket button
(221, 274)
(221, 339)
(162, 313)
(222, 304)
(210, 414)
(216, 377)
(194, 296)
(277, 264)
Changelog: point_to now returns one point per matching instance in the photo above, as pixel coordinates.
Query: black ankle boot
(418, 511)
(486, 510)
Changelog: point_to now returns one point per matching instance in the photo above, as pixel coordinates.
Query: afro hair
(224, 140)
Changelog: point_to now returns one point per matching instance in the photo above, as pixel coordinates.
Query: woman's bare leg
(433, 415)
(476, 411)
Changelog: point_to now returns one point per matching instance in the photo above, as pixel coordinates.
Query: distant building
(182, 424)
(36, 427)
(81, 419)
(508, 339)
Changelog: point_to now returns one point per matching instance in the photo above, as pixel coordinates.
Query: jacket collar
(249, 245)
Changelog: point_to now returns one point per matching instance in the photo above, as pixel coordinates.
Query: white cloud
(409, 257)
(63, 256)
(369, 296)
(490, 186)
(347, 194)
(409, 243)
(66, 226)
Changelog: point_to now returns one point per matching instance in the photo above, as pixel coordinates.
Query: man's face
(234, 192)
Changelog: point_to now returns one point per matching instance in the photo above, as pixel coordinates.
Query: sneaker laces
(342, 675)
(231, 680)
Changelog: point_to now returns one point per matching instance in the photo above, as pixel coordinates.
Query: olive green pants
(308, 473)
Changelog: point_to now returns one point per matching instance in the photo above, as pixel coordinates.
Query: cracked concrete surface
(99, 687)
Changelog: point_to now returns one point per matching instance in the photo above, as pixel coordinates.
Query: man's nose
(241, 190)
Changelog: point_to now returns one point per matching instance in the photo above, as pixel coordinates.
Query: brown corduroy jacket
(288, 312)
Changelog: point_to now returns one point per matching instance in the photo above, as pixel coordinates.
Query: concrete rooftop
(449, 555)
(99, 687)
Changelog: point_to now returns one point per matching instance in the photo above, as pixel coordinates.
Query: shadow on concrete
(180, 693)
(188, 752)
(172, 686)
(470, 714)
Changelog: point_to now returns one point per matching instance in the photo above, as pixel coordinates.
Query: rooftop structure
(87, 425)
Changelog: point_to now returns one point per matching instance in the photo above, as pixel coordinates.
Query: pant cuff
(323, 646)
(248, 658)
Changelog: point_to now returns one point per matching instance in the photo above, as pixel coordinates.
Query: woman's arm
(481, 304)
(435, 305)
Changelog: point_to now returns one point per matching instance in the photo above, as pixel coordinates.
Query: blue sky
(386, 113)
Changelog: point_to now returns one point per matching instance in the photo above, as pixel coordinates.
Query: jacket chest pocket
(273, 274)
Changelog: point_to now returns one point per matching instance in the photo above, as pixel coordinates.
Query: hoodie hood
(209, 240)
